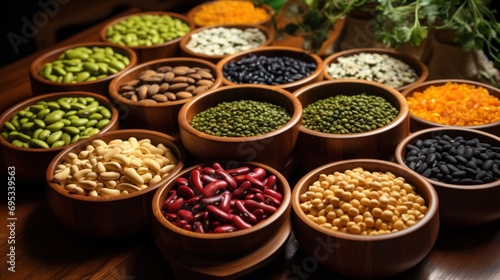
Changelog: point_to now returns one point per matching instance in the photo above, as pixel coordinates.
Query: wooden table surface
(46, 250)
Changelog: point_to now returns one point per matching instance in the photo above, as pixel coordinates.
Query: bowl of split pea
(365, 218)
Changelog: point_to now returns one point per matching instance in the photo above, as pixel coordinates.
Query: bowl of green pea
(346, 119)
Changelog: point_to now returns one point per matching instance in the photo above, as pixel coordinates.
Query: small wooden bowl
(275, 51)
(41, 85)
(185, 51)
(318, 148)
(106, 217)
(417, 65)
(158, 51)
(273, 148)
(361, 256)
(417, 123)
(31, 163)
(460, 205)
(160, 116)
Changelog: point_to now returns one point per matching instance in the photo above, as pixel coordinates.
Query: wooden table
(46, 250)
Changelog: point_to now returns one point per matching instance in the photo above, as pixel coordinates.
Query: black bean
(436, 170)
(450, 159)
(460, 173)
(452, 168)
(427, 173)
(447, 138)
(468, 153)
(471, 171)
(439, 176)
(483, 156)
(419, 143)
(431, 158)
(429, 142)
(472, 142)
(461, 159)
(487, 165)
(443, 142)
(447, 147)
(412, 165)
(422, 168)
(461, 150)
(466, 181)
(471, 164)
(411, 158)
(412, 153)
(481, 174)
(496, 171)
(444, 169)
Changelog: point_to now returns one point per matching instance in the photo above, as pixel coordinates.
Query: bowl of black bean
(463, 165)
(284, 67)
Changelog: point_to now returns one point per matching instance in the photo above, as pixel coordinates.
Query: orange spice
(455, 104)
(229, 12)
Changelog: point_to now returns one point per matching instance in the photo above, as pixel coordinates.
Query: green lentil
(242, 118)
(346, 114)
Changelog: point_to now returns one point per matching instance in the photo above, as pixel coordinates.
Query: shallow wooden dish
(106, 217)
(417, 65)
(30, 163)
(366, 256)
(318, 148)
(460, 205)
(158, 51)
(417, 123)
(273, 148)
(41, 85)
(185, 51)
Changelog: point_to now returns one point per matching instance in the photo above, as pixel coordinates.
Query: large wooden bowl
(31, 163)
(361, 256)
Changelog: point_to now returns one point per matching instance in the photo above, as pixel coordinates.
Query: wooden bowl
(417, 65)
(277, 51)
(460, 205)
(31, 163)
(41, 85)
(273, 148)
(161, 116)
(365, 256)
(185, 51)
(417, 123)
(318, 148)
(115, 216)
(158, 51)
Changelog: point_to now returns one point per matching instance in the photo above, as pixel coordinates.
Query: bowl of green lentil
(88, 66)
(365, 218)
(347, 118)
(36, 129)
(242, 122)
(152, 35)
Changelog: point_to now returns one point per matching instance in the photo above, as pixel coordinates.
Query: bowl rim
(103, 30)
(295, 118)
(283, 49)
(401, 117)
(53, 95)
(285, 204)
(411, 90)
(190, 14)
(37, 62)
(121, 133)
(402, 145)
(113, 85)
(432, 204)
(390, 52)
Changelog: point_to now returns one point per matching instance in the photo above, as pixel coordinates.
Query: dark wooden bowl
(41, 85)
(159, 51)
(273, 148)
(275, 51)
(361, 256)
(460, 205)
(417, 65)
(31, 163)
(318, 148)
(417, 123)
(158, 116)
(106, 217)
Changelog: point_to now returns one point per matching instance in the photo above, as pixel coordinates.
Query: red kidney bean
(199, 215)
(255, 190)
(214, 188)
(225, 202)
(214, 210)
(274, 194)
(249, 196)
(252, 205)
(188, 227)
(239, 171)
(186, 215)
(226, 177)
(181, 181)
(208, 170)
(207, 178)
(259, 197)
(258, 173)
(242, 190)
(189, 203)
(181, 223)
(271, 181)
(224, 228)
(185, 191)
(169, 200)
(198, 227)
(244, 213)
(196, 180)
(176, 205)
(214, 200)
(171, 217)
(240, 223)
(217, 165)
(272, 200)
(259, 214)
(239, 178)
(254, 181)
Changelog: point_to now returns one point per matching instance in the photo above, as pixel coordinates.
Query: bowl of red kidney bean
(463, 165)
(220, 210)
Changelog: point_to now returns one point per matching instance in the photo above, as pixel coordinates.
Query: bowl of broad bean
(152, 35)
(348, 118)
(365, 218)
(36, 129)
(88, 66)
(463, 165)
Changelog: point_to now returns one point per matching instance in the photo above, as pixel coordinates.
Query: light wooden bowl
(417, 123)
(158, 51)
(106, 217)
(361, 256)
(460, 205)
(315, 148)
(41, 85)
(31, 163)
(273, 148)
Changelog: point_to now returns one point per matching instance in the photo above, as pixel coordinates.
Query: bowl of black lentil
(346, 119)
(463, 165)
(283, 67)
(241, 122)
